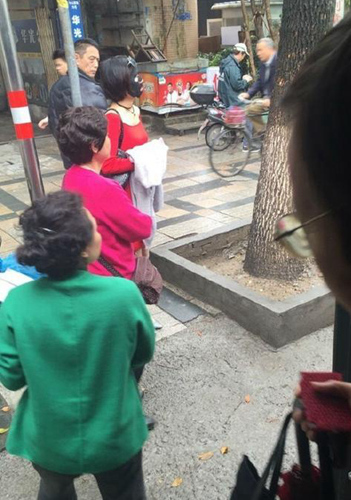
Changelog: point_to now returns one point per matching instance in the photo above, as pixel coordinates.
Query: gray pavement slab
(181, 309)
(196, 388)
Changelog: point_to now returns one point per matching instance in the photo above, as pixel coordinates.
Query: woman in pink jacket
(82, 137)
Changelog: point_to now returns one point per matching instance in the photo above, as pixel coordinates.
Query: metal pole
(18, 104)
(69, 52)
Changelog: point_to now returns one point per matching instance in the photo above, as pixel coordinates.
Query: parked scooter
(205, 96)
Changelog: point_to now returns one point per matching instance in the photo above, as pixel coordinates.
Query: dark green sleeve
(11, 372)
(145, 331)
(236, 81)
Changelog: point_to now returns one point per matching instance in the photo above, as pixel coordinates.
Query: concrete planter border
(276, 322)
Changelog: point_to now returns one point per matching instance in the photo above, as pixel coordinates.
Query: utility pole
(69, 52)
(17, 98)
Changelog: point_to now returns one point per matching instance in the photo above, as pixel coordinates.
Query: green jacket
(74, 344)
(231, 82)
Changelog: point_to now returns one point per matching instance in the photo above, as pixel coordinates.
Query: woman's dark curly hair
(78, 130)
(56, 230)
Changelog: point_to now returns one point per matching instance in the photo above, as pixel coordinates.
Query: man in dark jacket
(267, 54)
(60, 99)
(231, 81)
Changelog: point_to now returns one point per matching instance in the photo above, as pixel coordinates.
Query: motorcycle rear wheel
(211, 133)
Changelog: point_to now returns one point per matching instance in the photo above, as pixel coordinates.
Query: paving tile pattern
(197, 200)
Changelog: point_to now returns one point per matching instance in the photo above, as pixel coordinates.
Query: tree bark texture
(257, 15)
(247, 37)
(304, 23)
(272, 31)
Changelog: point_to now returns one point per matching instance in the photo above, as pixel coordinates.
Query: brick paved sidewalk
(197, 200)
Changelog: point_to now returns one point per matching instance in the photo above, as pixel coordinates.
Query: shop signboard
(170, 92)
(31, 61)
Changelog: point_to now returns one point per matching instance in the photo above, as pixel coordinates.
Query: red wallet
(328, 413)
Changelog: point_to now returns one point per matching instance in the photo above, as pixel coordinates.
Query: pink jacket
(119, 222)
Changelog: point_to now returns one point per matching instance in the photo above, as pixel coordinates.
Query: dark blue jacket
(60, 97)
(265, 88)
(230, 82)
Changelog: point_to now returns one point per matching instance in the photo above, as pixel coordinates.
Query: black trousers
(124, 483)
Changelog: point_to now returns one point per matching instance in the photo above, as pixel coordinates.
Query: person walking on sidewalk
(231, 80)
(60, 98)
(74, 339)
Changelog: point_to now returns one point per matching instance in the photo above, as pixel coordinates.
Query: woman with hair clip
(74, 339)
(122, 84)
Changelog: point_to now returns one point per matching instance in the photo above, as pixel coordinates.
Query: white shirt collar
(269, 62)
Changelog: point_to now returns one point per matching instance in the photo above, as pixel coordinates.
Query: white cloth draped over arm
(150, 164)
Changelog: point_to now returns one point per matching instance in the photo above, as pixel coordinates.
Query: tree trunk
(304, 22)
(273, 33)
(257, 15)
(247, 37)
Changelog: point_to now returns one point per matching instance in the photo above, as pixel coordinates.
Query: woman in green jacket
(74, 339)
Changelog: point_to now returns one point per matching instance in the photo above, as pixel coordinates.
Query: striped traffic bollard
(20, 114)
(19, 105)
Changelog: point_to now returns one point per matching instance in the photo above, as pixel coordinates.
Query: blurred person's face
(170, 88)
(93, 250)
(324, 235)
(89, 61)
(240, 57)
(264, 52)
(61, 66)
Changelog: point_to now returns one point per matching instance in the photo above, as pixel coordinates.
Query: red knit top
(133, 135)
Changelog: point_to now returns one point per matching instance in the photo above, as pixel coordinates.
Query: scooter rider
(231, 80)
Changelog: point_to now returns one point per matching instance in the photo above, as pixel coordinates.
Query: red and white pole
(19, 105)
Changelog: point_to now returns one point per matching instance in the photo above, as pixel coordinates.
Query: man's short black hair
(81, 45)
(115, 77)
(56, 230)
(78, 130)
(58, 54)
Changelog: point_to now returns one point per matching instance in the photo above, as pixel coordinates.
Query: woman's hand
(331, 388)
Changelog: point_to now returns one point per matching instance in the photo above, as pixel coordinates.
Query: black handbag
(302, 482)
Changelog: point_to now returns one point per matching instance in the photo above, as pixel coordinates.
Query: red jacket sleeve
(114, 165)
(123, 217)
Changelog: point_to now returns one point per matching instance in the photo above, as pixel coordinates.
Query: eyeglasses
(291, 234)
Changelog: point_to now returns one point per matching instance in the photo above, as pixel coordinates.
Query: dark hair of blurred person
(56, 231)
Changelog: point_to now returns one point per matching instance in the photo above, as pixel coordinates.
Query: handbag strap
(274, 463)
(121, 133)
(109, 267)
(326, 468)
